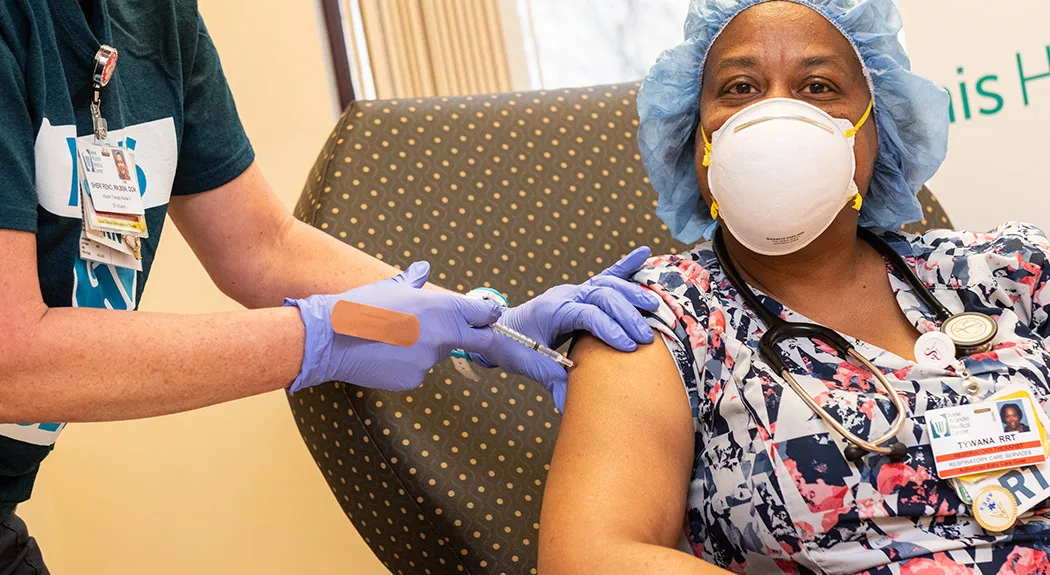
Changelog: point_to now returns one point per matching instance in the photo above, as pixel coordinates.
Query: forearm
(257, 253)
(312, 262)
(77, 364)
(626, 557)
(303, 261)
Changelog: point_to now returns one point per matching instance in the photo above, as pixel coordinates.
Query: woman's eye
(818, 88)
(741, 89)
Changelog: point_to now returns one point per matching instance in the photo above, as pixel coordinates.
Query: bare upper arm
(21, 303)
(624, 453)
(228, 225)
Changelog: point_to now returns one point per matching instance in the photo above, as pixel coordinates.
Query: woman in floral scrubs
(737, 473)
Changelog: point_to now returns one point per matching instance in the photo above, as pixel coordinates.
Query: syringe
(494, 295)
(535, 345)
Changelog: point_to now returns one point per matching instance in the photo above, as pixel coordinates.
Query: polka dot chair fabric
(519, 192)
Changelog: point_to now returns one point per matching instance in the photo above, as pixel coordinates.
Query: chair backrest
(519, 192)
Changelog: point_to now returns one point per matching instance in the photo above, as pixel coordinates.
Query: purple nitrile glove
(604, 305)
(447, 321)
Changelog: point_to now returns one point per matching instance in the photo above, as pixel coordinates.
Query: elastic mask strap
(714, 209)
(707, 147)
(858, 201)
(863, 119)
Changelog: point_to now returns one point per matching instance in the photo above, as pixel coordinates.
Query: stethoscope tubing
(901, 266)
(778, 330)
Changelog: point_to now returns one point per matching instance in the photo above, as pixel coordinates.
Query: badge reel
(962, 334)
(111, 202)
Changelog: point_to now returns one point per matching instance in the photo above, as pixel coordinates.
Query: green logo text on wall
(989, 98)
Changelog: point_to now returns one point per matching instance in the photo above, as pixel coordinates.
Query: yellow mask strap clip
(714, 209)
(858, 201)
(863, 120)
(707, 147)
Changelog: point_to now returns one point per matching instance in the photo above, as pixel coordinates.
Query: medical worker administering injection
(116, 114)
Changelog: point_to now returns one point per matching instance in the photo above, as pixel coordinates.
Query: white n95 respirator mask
(780, 171)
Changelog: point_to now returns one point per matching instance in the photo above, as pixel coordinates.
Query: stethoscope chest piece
(972, 332)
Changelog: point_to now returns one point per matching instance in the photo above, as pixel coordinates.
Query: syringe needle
(535, 345)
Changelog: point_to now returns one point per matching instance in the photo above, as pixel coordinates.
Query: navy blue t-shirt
(168, 101)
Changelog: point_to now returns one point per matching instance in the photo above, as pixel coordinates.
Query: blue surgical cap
(911, 114)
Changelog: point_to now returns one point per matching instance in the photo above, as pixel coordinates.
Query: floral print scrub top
(771, 491)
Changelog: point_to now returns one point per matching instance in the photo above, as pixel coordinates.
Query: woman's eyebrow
(738, 62)
(818, 61)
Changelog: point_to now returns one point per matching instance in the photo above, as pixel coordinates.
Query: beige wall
(230, 489)
(996, 168)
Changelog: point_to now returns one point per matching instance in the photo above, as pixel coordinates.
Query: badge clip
(105, 64)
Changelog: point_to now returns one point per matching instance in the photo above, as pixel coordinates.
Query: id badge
(110, 203)
(1000, 433)
(109, 176)
(100, 240)
(113, 215)
(1028, 485)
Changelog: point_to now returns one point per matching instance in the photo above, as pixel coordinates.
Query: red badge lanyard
(105, 63)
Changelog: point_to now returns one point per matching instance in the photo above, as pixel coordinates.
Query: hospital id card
(104, 246)
(129, 224)
(109, 176)
(988, 436)
(96, 252)
(1029, 485)
(99, 195)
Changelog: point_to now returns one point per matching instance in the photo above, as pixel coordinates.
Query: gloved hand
(447, 321)
(603, 305)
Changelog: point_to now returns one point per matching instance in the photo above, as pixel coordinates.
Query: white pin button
(935, 350)
(995, 509)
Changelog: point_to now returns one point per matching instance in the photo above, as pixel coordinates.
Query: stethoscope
(972, 332)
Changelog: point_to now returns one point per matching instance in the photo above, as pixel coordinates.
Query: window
(544, 44)
(590, 42)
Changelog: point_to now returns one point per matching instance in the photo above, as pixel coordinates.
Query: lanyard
(105, 63)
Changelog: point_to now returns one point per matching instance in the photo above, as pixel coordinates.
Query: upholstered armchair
(519, 192)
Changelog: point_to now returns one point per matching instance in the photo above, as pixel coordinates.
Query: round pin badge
(934, 349)
(971, 332)
(105, 63)
(995, 509)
